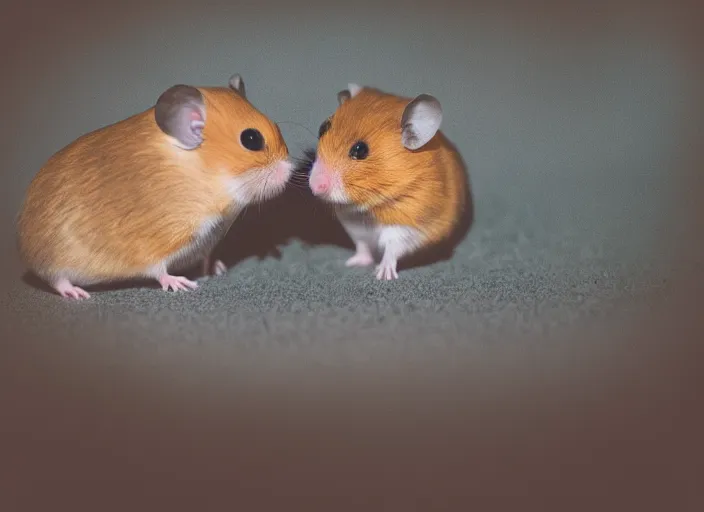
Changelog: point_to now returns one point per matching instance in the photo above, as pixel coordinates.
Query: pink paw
(68, 291)
(361, 259)
(219, 268)
(386, 271)
(176, 283)
(211, 268)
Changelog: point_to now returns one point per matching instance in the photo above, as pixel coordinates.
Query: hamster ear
(180, 113)
(420, 121)
(349, 93)
(354, 89)
(236, 83)
(343, 96)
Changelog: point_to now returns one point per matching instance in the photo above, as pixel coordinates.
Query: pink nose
(320, 184)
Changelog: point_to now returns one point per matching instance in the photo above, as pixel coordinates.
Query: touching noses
(320, 182)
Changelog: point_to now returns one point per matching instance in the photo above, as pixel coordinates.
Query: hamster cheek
(275, 179)
(237, 189)
(258, 185)
(283, 170)
(338, 194)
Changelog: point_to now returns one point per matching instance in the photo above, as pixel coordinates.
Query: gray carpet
(574, 128)
(509, 276)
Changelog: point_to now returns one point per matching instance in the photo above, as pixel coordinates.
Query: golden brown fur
(423, 189)
(123, 198)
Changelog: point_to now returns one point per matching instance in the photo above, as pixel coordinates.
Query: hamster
(397, 185)
(151, 193)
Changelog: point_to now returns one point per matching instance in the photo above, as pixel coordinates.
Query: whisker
(304, 164)
(301, 183)
(302, 189)
(298, 190)
(302, 126)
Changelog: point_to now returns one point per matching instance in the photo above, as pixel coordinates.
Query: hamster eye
(359, 150)
(324, 128)
(252, 139)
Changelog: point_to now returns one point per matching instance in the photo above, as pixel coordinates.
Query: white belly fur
(394, 241)
(360, 226)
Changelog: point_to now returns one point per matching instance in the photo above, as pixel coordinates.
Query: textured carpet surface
(508, 277)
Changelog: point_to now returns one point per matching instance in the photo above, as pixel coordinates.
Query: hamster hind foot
(176, 283)
(362, 258)
(67, 290)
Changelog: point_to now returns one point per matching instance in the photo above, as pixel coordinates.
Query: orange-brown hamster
(153, 192)
(395, 182)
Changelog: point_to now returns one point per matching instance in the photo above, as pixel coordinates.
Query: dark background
(554, 363)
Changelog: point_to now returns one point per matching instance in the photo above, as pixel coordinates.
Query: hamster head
(230, 139)
(374, 146)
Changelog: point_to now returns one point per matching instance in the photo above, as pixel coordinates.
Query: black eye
(252, 139)
(324, 128)
(359, 150)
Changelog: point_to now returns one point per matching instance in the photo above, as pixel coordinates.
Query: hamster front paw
(386, 270)
(219, 268)
(213, 268)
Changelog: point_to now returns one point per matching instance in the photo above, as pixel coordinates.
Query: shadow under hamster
(263, 229)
